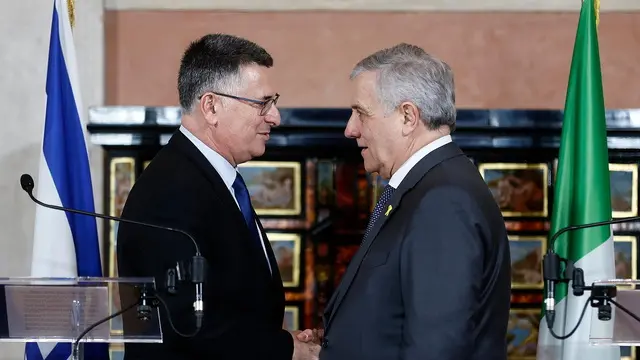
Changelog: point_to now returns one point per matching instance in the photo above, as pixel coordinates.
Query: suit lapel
(273, 262)
(415, 174)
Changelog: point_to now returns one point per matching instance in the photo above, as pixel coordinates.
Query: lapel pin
(388, 210)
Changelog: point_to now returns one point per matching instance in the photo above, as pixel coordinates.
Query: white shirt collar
(399, 175)
(224, 168)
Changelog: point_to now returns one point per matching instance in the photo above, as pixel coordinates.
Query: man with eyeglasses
(229, 108)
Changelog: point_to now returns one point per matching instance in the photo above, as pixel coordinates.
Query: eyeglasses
(265, 104)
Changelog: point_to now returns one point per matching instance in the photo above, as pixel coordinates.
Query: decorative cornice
(303, 127)
(370, 5)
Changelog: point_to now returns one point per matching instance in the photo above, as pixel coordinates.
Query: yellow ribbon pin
(388, 210)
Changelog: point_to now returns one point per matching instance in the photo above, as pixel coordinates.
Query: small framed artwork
(275, 187)
(626, 256)
(116, 351)
(522, 334)
(292, 316)
(526, 261)
(624, 189)
(326, 192)
(627, 353)
(287, 248)
(520, 189)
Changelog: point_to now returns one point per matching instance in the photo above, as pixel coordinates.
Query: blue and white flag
(64, 245)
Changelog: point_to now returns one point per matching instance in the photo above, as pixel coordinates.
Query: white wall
(24, 42)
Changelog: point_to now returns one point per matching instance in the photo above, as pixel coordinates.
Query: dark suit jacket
(432, 280)
(243, 302)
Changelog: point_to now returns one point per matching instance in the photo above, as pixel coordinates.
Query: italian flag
(582, 195)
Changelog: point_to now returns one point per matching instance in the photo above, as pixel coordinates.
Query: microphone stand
(601, 295)
(196, 273)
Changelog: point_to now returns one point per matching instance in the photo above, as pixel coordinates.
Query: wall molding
(370, 5)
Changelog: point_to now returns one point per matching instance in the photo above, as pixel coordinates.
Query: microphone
(198, 263)
(551, 266)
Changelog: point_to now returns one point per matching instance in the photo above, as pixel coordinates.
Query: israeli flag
(65, 245)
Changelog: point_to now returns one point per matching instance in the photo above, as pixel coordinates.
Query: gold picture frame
(623, 204)
(116, 351)
(287, 249)
(520, 189)
(122, 175)
(275, 187)
(519, 342)
(632, 353)
(526, 261)
(291, 320)
(626, 265)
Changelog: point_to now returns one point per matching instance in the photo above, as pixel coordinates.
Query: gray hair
(407, 73)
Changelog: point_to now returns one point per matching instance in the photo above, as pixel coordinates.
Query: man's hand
(304, 350)
(310, 335)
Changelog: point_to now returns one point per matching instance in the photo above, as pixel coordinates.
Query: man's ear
(207, 106)
(411, 117)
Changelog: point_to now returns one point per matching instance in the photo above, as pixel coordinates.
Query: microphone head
(26, 181)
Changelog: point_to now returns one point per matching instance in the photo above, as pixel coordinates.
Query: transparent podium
(616, 321)
(78, 311)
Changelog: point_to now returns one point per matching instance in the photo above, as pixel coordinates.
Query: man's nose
(273, 116)
(351, 131)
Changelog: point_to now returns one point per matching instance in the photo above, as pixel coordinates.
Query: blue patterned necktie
(377, 211)
(244, 200)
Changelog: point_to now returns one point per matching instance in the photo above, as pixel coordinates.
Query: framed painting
(275, 187)
(520, 189)
(325, 184)
(287, 248)
(627, 353)
(522, 334)
(626, 256)
(292, 316)
(526, 261)
(116, 351)
(624, 189)
(121, 180)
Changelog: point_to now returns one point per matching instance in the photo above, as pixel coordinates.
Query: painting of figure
(275, 187)
(287, 248)
(624, 248)
(519, 189)
(624, 189)
(526, 261)
(291, 318)
(522, 334)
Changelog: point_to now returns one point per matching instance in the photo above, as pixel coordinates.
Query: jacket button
(325, 342)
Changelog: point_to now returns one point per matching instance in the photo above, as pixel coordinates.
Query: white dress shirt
(397, 178)
(226, 171)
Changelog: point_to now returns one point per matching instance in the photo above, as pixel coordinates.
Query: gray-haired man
(432, 277)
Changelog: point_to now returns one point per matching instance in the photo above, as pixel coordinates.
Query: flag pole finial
(72, 15)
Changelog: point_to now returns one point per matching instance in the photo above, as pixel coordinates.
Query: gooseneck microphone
(198, 263)
(552, 275)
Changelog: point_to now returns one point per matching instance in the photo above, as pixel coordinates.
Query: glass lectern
(611, 325)
(79, 310)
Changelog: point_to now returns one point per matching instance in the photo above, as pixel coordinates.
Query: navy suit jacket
(432, 280)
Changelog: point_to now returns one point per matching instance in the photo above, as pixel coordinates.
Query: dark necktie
(377, 211)
(244, 200)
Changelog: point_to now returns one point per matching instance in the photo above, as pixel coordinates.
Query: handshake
(306, 344)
